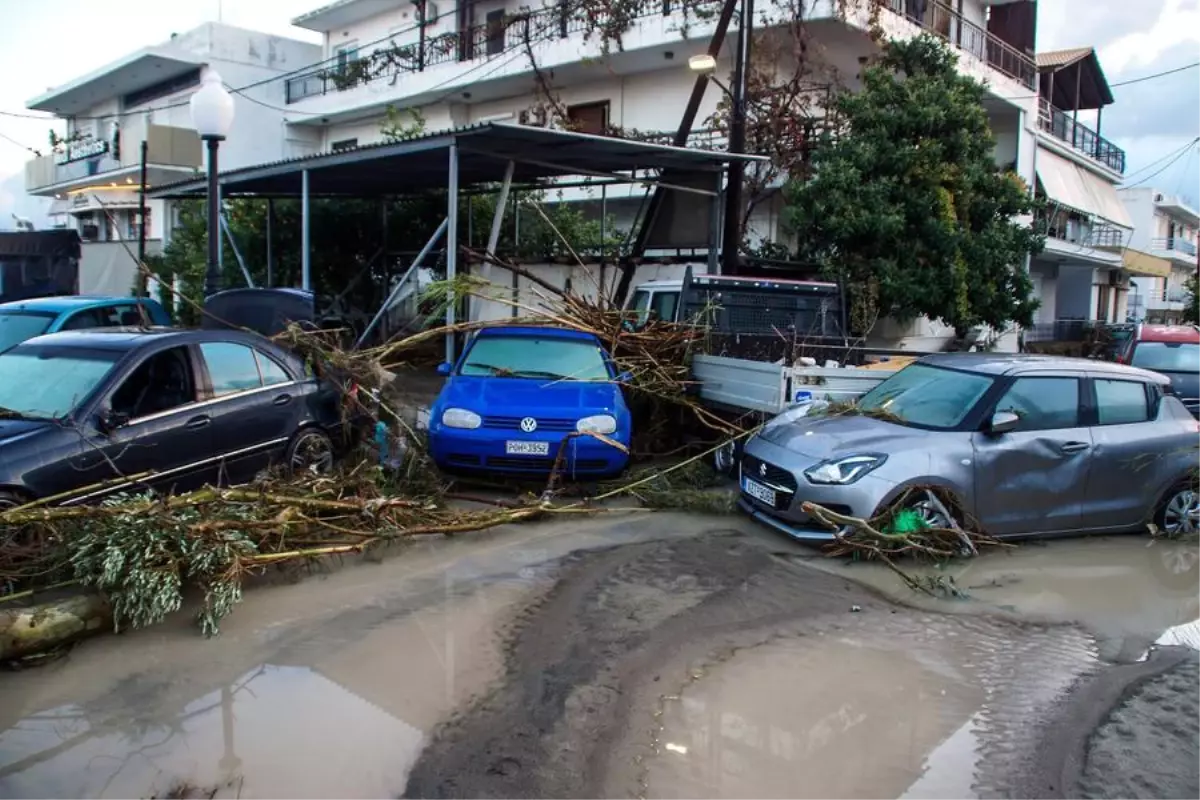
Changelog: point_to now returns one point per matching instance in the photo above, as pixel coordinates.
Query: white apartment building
(1083, 274)
(1165, 227)
(94, 176)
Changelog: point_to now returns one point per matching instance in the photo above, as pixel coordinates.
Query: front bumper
(484, 450)
(784, 475)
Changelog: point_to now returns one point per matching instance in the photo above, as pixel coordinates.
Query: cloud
(1083, 23)
(1166, 106)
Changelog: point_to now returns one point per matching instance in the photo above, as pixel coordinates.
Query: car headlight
(600, 423)
(461, 418)
(844, 470)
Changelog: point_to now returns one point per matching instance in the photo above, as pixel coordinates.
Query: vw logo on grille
(529, 424)
(762, 470)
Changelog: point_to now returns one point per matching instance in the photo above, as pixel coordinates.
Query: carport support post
(494, 236)
(451, 244)
(714, 226)
(305, 256)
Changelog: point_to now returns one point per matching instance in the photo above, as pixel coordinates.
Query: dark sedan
(193, 407)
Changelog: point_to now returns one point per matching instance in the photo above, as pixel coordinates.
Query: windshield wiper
(8, 413)
(499, 372)
(536, 373)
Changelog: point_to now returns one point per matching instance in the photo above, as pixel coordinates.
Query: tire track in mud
(591, 666)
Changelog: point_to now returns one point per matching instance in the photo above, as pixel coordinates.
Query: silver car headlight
(846, 469)
(461, 418)
(600, 423)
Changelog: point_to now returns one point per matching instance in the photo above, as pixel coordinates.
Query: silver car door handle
(1075, 447)
(195, 423)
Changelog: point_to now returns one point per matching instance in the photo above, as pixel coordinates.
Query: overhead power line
(8, 138)
(1166, 166)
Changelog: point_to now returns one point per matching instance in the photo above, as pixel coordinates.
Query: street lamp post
(212, 115)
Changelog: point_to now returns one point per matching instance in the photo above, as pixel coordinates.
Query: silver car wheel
(1181, 515)
(931, 515)
(724, 458)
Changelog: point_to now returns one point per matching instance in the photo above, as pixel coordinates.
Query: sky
(43, 44)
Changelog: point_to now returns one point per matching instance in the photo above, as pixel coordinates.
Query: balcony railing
(1063, 126)
(703, 139)
(479, 41)
(1067, 226)
(966, 35)
(1174, 244)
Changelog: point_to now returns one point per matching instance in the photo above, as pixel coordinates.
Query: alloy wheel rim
(1181, 516)
(930, 514)
(312, 454)
(724, 457)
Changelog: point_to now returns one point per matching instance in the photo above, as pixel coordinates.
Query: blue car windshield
(548, 357)
(17, 326)
(927, 397)
(49, 383)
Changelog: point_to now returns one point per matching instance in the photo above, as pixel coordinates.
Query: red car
(1172, 350)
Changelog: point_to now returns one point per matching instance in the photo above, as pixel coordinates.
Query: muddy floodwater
(641, 655)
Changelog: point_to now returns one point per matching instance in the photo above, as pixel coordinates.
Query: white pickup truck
(751, 320)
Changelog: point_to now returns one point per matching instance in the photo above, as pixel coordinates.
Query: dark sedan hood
(14, 430)
(824, 437)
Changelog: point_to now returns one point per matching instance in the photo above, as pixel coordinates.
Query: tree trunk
(35, 629)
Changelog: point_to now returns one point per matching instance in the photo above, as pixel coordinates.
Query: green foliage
(141, 561)
(1191, 303)
(908, 206)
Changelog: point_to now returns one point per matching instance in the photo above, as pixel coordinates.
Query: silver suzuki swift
(1028, 445)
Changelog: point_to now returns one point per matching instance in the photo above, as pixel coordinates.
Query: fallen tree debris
(901, 531)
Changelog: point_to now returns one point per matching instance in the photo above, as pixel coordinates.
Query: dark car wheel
(310, 451)
(726, 458)
(10, 499)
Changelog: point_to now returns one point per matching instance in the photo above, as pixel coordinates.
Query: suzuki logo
(762, 470)
(529, 424)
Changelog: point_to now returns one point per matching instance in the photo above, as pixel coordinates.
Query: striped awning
(1073, 186)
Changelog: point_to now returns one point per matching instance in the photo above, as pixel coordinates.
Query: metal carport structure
(488, 153)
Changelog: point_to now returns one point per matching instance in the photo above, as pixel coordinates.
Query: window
(82, 320)
(163, 88)
(1167, 356)
(346, 55)
(589, 118)
(272, 373)
(343, 144)
(664, 306)
(1043, 403)
(160, 383)
(16, 327)
(134, 229)
(231, 367)
(44, 382)
(495, 32)
(928, 397)
(1121, 402)
(549, 357)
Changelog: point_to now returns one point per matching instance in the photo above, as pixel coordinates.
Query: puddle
(921, 707)
(266, 734)
(1128, 590)
(795, 720)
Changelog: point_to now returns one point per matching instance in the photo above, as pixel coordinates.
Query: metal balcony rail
(479, 41)
(1066, 226)
(1174, 244)
(966, 35)
(703, 139)
(1063, 126)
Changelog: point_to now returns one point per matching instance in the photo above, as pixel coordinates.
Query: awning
(1138, 263)
(1071, 185)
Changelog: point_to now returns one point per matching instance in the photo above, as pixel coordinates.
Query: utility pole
(731, 238)
(142, 290)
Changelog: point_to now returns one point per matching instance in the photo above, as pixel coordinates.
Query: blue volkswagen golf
(518, 392)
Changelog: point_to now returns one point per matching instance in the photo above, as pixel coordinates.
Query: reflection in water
(805, 719)
(1126, 589)
(276, 722)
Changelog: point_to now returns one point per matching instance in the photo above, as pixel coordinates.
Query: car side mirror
(1003, 422)
(111, 420)
(625, 377)
(444, 368)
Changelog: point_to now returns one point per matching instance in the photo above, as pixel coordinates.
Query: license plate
(527, 448)
(759, 492)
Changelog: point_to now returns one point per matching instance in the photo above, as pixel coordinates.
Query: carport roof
(422, 163)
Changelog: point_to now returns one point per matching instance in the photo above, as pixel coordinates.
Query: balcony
(998, 54)
(1079, 230)
(91, 161)
(1177, 247)
(1062, 126)
(479, 41)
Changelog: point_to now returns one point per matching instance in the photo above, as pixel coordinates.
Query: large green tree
(908, 207)
(1191, 300)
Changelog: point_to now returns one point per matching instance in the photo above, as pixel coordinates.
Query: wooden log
(36, 629)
